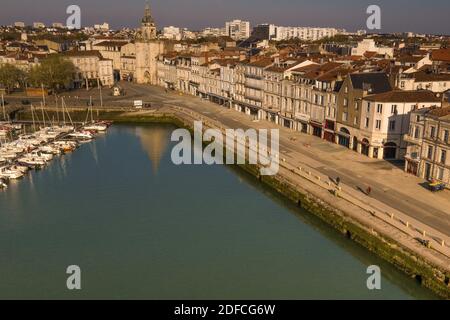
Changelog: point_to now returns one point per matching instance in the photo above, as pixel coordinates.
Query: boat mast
(57, 110)
(32, 116)
(3, 106)
(43, 115)
(68, 114)
(63, 113)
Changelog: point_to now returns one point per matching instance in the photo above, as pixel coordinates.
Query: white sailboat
(9, 173)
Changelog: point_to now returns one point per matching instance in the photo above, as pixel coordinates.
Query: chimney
(367, 88)
(277, 60)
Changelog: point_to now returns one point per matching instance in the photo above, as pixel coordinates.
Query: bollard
(424, 233)
(443, 243)
(392, 216)
(318, 178)
(407, 224)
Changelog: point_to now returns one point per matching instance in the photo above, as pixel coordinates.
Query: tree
(10, 76)
(55, 72)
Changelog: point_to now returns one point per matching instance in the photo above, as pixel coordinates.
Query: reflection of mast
(154, 141)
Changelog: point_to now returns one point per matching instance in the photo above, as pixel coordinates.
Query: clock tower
(148, 26)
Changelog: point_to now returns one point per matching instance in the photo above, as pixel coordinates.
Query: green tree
(55, 73)
(10, 76)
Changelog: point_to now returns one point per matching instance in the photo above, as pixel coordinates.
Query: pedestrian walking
(338, 181)
(369, 190)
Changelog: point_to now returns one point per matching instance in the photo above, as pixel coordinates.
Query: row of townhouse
(428, 151)
(333, 101)
(91, 69)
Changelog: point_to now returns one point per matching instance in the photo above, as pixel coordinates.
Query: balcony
(253, 76)
(413, 156)
(252, 97)
(411, 139)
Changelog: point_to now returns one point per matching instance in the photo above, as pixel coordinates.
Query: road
(390, 184)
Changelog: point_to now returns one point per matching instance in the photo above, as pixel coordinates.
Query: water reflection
(154, 140)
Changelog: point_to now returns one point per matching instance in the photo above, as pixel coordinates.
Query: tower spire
(148, 27)
(147, 13)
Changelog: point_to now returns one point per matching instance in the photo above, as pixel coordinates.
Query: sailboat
(10, 173)
(94, 126)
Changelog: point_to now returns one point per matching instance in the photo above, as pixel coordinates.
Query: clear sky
(421, 16)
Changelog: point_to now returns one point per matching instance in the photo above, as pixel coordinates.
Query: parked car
(436, 186)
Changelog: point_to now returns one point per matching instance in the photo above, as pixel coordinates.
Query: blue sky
(431, 16)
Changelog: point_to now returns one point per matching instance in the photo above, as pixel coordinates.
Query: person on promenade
(369, 190)
(338, 181)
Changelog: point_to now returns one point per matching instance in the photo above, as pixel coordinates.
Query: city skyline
(401, 16)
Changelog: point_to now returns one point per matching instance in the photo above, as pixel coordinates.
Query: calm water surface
(140, 227)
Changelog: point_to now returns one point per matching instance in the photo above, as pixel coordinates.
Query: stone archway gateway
(344, 137)
(390, 151)
(365, 144)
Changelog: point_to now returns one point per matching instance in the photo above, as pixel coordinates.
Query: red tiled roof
(441, 55)
(404, 96)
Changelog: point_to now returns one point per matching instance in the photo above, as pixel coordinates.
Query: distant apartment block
(58, 25)
(238, 29)
(172, 33)
(38, 25)
(369, 45)
(19, 24)
(213, 32)
(102, 27)
(304, 33)
(264, 31)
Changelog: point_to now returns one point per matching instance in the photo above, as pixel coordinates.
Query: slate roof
(377, 81)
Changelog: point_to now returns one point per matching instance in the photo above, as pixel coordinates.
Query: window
(443, 156)
(378, 124)
(355, 121)
(368, 107)
(416, 133)
(441, 174)
(345, 102)
(394, 109)
(446, 136)
(430, 152)
(344, 116)
(392, 125)
(380, 108)
(433, 132)
(367, 122)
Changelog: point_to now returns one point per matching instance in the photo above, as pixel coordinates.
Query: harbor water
(140, 227)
